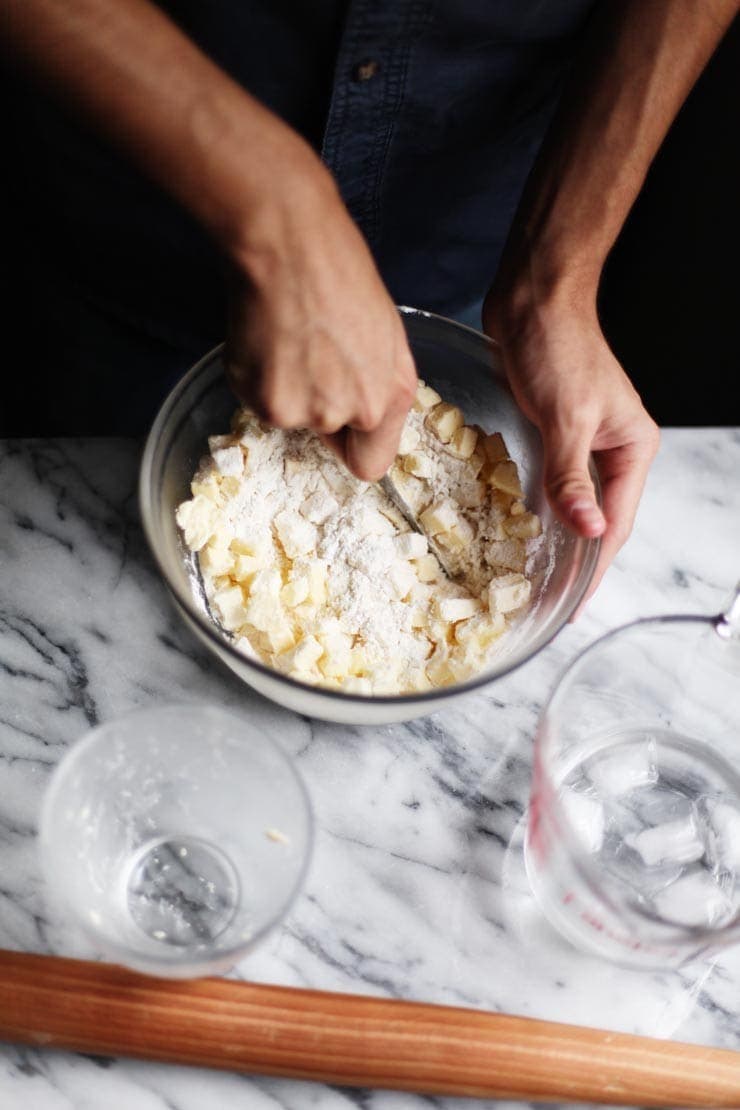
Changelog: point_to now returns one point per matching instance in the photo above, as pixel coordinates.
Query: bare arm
(310, 312)
(639, 61)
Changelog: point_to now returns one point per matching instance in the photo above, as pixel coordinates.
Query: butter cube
(314, 572)
(219, 443)
(279, 634)
(230, 608)
(463, 441)
(245, 647)
(207, 482)
(410, 545)
(414, 492)
(476, 461)
(197, 518)
(426, 397)
(509, 554)
(359, 662)
(303, 657)
(409, 439)
(296, 534)
(244, 420)
(505, 477)
(441, 516)
(494, 448)
(455, 609)
(444, 420)
(319, 507)
(477, 634)
(460, 535)
(357, 684)
(216, 558)
(337, 645)
(418, 464)
(439, 671)
(263, 604)
(508, 592)
(292, 467)
(402, 577)
(245, 567)
(294, 592)
(229, 461)
(427, 568)
(525, 526)
(473, 494)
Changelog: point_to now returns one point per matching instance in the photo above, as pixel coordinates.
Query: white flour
(318, 574)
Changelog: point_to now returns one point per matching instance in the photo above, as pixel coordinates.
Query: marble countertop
(416, 889)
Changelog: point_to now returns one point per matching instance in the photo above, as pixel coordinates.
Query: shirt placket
(367, 98)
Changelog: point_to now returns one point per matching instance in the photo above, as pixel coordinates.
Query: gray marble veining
(417, 888)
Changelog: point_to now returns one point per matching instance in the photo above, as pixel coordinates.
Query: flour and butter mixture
(317, 574)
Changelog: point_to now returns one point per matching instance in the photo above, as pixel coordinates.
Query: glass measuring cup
(175, 838)
(632, 845)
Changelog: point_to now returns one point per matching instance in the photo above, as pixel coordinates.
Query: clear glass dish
(463, 366)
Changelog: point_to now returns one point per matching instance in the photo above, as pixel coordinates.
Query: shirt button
(365, 71)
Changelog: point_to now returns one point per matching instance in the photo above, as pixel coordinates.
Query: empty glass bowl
(175, 838)
(463, 366)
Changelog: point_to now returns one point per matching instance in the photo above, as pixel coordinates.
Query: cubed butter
(198, 519)
(463, 441)
(508, 592)
(505, 477)
(426, 397)
(296, 534)
(411, 545)
(444, 420)
(455, 609)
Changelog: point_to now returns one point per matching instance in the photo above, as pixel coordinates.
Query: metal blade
(392, 492)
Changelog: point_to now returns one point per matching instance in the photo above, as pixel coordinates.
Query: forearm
(638, 63)
(144, 84)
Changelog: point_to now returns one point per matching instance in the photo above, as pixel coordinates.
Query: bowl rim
(184, 597)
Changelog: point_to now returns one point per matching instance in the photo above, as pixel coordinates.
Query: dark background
(669, 298)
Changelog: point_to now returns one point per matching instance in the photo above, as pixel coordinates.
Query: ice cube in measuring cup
(586, 816)
(627, 767)
(673, 842)
(723, 829)
(697, 899)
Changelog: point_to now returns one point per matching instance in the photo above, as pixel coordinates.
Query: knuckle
(276, 407)
(566, 484)
(369, 415)
(324, 420)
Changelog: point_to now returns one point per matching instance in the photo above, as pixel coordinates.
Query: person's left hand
(567, 381)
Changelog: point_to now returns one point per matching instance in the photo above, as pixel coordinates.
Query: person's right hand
(315, 340)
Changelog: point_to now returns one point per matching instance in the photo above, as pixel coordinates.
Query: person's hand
(569, 384)
(315, 340)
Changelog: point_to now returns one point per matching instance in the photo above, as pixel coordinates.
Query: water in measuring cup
(660, 814)
(182, 891)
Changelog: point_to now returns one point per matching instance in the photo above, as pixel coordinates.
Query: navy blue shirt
(428, 113)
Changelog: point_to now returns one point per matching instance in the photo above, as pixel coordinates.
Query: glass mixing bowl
(463, 366)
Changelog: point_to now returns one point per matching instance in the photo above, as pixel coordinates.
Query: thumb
(568, 484)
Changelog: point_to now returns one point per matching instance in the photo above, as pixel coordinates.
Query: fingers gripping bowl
(462, 366)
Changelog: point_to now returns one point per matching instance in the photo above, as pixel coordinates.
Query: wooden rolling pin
(348, 1039)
